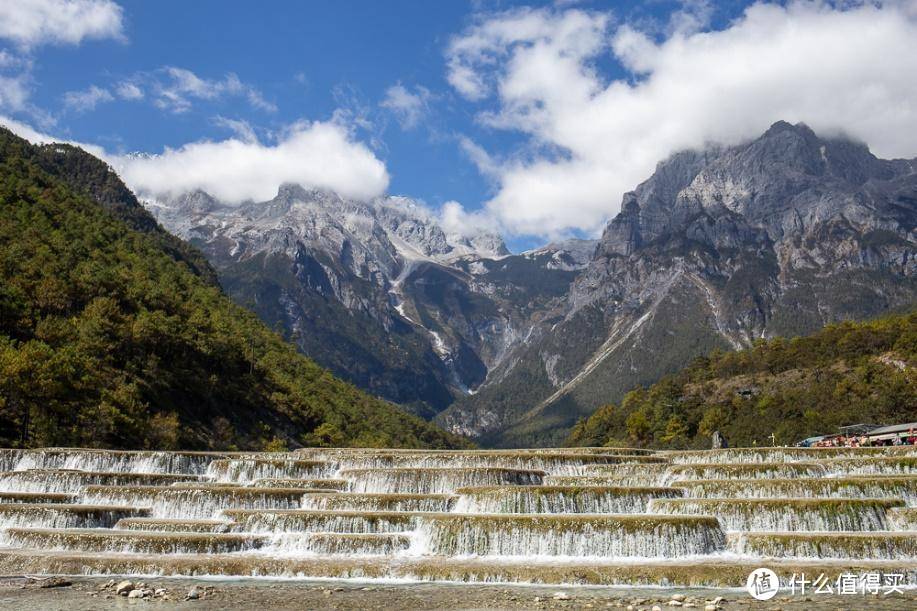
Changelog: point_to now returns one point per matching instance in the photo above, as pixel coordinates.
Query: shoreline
(79, 593)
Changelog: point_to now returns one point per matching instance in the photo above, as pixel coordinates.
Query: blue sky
(495, 149)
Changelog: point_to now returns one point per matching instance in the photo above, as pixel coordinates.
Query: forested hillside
(845, 374)
(113, 333)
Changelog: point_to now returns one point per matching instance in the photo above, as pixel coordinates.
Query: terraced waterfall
(585, 515)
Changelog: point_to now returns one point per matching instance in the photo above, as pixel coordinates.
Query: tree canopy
(113, 333)
(847, 373)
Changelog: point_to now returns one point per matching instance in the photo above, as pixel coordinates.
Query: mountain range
(377, 291)
(719, 248)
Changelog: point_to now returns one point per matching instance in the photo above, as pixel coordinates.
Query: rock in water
(124, 587)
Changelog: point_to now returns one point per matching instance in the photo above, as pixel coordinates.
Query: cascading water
(578, 536)
(379, 502)
(558, 499)
(70, 481)
(860, 487)
(785, 514)
(204, 502)
(435, 480)
(604, 515)
(249, 469)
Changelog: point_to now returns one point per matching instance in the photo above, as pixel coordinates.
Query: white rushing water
(475, 515)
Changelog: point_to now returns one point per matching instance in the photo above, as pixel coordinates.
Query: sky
(530, 119)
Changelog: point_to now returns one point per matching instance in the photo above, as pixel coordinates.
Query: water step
(718, 572)
(126, 461)
(767, 455)
(559, 499)
(903, 518)
(628, 469)
(65, 515)
(845, 545)
(36, 497)
(744, 471)
(132, 542)
(636, 480)
(785, 514)
(379, 502)
(174, 525)
(315, 484)
(199, 502)
(580, 536)
(347, 544)
(559, 463)
(436, 480)
(336, 453)
(901, 487)
(873, 465)
(278, 521)
(67, 481)
(249, 469)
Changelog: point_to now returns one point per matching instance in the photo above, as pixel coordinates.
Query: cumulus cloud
(409, 108)
(87, 99)
(839, 67)
(455, 220)
(320, 154)
(30, 23)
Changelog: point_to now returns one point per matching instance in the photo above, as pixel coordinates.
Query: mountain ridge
(719, 247)
(377, 291)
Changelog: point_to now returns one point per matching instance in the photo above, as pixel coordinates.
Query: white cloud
(455, 220)
(14, 92)
(320, 154)
(241, 128)
(127, 90)
(837, 67)
(175, 88)
(409, 108)
(87, 99)
(30, 23)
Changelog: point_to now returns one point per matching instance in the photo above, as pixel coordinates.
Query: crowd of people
(865, 441)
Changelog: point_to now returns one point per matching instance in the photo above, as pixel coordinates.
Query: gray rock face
(376, 291)
(778, 236)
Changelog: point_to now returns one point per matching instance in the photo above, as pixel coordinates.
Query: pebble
(710, 608)
(193, 593)
(124, 588)
(679, 597)
(135, 594)
(561, 596)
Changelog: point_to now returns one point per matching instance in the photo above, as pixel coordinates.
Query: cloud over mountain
(319, 154)
(590, 138)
